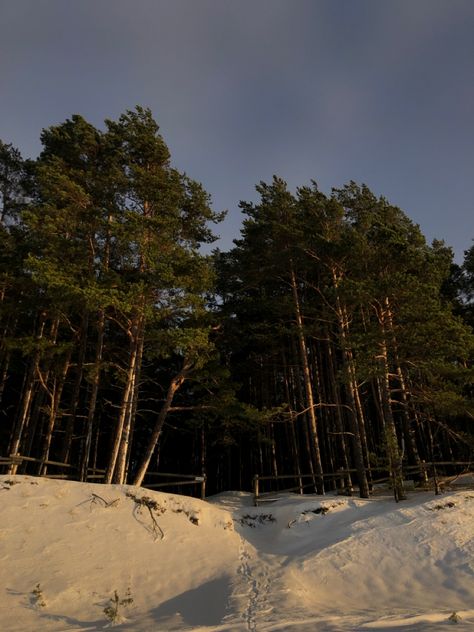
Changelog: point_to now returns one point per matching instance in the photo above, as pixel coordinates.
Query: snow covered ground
(298, 564)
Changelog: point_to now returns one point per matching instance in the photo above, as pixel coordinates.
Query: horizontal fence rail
(423, 469)
(189, 479)
(98, 475)
(184, 480)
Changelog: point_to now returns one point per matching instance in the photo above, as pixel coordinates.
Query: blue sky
(377, 91)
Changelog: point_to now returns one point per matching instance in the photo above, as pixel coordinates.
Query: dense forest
(331, 340)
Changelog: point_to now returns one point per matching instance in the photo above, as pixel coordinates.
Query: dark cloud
(327, 89)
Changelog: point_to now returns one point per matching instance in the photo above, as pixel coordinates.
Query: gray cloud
(325, 89)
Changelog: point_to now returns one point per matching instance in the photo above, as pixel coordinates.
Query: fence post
(203, 487)
(255, 490)
(424, 473)
(436, 481)
(16, 460)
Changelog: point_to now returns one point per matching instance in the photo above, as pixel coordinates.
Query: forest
(331, 342)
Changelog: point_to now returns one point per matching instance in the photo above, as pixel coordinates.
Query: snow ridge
(299, 564)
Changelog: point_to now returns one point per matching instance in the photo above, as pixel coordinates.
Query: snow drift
(78, 556)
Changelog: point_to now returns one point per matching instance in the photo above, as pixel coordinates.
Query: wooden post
(255, 490)
(437, 486)
(16, 460)
(424, 473)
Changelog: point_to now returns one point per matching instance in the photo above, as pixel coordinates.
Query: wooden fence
(427, 470)
(183, 479)
(98, 475)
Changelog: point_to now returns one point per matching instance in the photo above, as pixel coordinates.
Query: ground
(78, 556)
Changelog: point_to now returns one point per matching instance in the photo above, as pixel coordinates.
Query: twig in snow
(151, 505)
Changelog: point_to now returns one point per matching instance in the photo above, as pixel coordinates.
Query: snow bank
(299, 563)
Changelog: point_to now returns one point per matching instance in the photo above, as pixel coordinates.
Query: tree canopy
(332, 342)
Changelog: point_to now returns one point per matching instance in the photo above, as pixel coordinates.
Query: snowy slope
(298, 564)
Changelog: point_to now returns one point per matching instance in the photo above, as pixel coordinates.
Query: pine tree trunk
(5, 354)
(125, 442)
(301, 404)
(319, 482)
(325, 415)
(174, 386)
(130, 405)
(348, 361)
(125, 407)
(23, 418)
(338, 419)
(71, 422)
(4, 374)
(27, 397)
(393, 453)
(408, 433)
(55, 398)
(89, 429)
(99, 350)
(291, 424)
(30, 435)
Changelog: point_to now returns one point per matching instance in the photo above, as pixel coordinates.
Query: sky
(376, 91)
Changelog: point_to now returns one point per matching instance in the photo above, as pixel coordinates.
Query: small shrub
(319, 510)
(112, 610)
(8, 484)
(192, 517)
(447, 505)
(322, 510)
(95, 499)
(153, 507)
(146, 501)
(37, 597)
(253, 521)
(454, 618)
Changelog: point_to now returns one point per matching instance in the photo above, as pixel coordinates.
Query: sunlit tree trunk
(351, 381)
(128, 392)
(55, 398)
(311, 409)
(290, 425)
(92, 403)
(125, 441)
(393, 452)
(174, 386)
(29, 386)
(71, 421)
(338, 419)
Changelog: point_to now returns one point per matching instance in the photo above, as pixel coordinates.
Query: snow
(299, 564)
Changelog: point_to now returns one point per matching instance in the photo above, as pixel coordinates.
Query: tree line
(331, 338)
